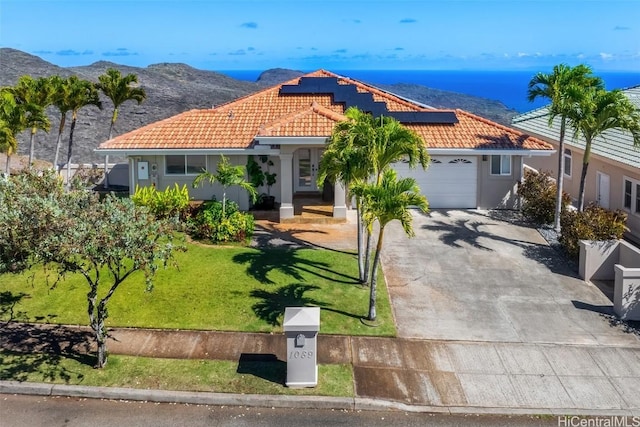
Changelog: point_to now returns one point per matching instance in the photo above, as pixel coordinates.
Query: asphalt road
(35, 411)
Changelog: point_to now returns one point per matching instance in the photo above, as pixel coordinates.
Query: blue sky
(331, 34)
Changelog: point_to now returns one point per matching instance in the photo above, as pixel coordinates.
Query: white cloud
(606, 56)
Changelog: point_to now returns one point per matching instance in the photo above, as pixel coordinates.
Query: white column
(339, 201)
(132, 175)
(286, 186)
(106, 171)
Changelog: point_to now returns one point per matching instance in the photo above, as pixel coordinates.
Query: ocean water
(508, 87)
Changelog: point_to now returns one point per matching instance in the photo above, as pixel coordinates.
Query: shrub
(172, 202)
(87, 177)
(594, 223)
(208, 223)
(538, 192)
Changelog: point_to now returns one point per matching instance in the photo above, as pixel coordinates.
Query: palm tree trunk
(560, 180)
(583, 175)
(70, 152)
(56, 158)
(367, 258)
(374, 277)
(32, 146)
(583, 179)
(360, 242)
(113, 122)
(8, 166)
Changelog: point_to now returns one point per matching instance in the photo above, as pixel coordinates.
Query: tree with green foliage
(35, 95)
(105, 241)
(119, 89)
(386, 200)
(81, 93)
(600, 111)
(59, 99)
(227, 175)
(16, 115)
(565, 87)
(364, 147)
(345, 160)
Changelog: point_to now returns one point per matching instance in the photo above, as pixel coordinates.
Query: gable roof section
(315, 121)
(269, 112)
(614, 144)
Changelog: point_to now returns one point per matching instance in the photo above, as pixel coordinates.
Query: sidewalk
(422, 375)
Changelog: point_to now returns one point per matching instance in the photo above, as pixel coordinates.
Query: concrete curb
(283, 401)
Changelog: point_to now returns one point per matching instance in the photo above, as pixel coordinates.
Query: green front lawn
(171, 374)
(214, 288)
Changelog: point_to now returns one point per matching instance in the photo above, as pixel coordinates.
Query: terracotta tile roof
(268, 113)
(313, 121)
(475, 132)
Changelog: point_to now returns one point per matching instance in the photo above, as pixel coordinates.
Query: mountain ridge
(173, 88)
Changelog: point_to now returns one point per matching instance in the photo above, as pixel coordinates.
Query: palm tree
(360, 149)
(387, 200)
(392, 142)
(600, 111)
(345, 160)
(564, 87)
(119, 90)
(11, 124)
(59, 99)
(227, 175)
(15, 117)
(36, 94)
(80, 94)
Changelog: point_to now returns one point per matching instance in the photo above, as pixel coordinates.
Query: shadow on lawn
(288, 261)
(272, 304)
(265, 366)
(8, 302)
(28, 349)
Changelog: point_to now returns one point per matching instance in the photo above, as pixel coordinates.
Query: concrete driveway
(469, 276)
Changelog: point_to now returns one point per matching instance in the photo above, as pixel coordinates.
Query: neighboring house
(475, 162)
(613, 177)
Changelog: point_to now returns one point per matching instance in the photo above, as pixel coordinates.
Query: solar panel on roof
(349, 95)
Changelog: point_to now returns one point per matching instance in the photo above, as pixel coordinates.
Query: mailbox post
(301, 326)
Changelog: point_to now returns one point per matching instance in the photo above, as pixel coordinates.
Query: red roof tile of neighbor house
(235, 125)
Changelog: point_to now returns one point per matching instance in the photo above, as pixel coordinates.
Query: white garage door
(448, 182)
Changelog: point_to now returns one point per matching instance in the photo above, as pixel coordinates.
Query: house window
(185, 165)
(500, 165)
(631, 195)
(567, 162)
(628, 196)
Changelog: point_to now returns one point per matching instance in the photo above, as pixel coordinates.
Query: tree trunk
(374, 277)
(113, 122)
(101, 336)
(8, 166)
(224, 204)
(560, 178)
(583, 179)
(56, 158)
(32, 146)
(583, 175)
(70, 152)
(360, 244)
(367, 258)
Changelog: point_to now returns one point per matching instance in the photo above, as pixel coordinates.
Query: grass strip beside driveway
(213, 288)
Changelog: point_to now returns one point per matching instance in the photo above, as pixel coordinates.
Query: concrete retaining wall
(619, 261)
